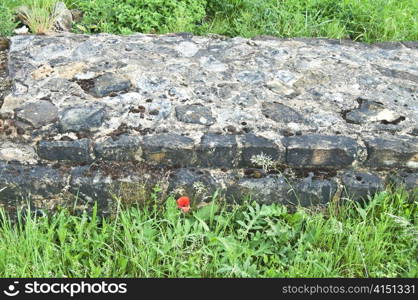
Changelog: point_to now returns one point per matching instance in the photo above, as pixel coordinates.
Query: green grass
(375, 240)
(360, 20)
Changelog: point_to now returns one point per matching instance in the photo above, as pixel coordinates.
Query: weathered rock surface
(109, 111)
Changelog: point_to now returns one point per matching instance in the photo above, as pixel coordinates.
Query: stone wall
(284, 120)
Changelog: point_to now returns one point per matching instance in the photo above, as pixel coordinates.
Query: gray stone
(387, 152)
(251, 77)
(109, 83)
(372, 111)
(91, 187)
(160, 108)
(309, 192)
(268, 190)
(76, 151)
(281, 113)
(168, 149)
(37, 114)
(11, 152)
(185, 180)
(245, 99)
(21, 183)
(217, 150)
(411, 182)
(82, 118)
(63, 17)
(253, 145)
(195, 114)
(319, 151)
(359, 185)
(124, 148)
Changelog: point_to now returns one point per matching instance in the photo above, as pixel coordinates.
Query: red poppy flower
(183, 203)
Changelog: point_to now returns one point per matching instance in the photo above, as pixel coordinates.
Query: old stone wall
(284, 120)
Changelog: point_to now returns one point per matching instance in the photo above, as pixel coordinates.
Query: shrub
(148, 16)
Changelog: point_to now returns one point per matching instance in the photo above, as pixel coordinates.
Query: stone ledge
(203, 108)
(103, 183)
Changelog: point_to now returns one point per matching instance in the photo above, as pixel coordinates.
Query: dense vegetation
(379, 239)
(362, 20)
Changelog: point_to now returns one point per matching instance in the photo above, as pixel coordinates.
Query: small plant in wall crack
(264, 161)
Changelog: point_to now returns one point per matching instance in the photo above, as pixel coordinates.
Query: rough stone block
(20, 182)
(308, 192)
(81, 118)
(216, 150)
(11, 152)
(37, 114)
(281, 113)
(108, 84)
(411, 181)
(93, 187)
(168, 149)
(189, 181)
(273, 189)
(76, 151)
(195, 114)
(253, 145)
(125, 148)
(388, 152)
(319, 151)
(358, 186)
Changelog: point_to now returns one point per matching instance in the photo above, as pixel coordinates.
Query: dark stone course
(194, 114)
(125, 148)
(387, 152)
(254, 145)
(109, 83)
(76, 151)
(320, 151)
(217, 150)
(281, 113)
(360, 185)
(38, 114)
(168, 149)
(308, 192)
(82, 118)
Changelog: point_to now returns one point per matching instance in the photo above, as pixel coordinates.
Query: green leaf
(207, 212)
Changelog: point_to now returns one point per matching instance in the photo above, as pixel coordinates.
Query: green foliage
(7, 22)
(366, 20)
(127, 16)
(379, 239)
